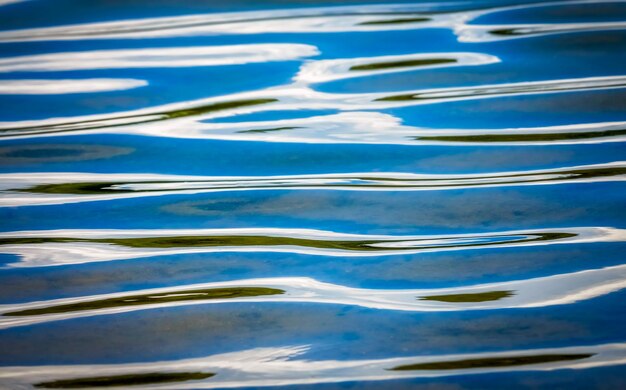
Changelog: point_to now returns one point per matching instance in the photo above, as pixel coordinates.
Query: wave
(329, 70)
(281, 366)
(42, 248)
(164, 57)
(186, 120)
(545, 291)
(362, 18)
(48, 188)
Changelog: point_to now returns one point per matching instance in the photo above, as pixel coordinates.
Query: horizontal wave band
(545, 291)
(41, 248)
(281, 366)
(319, 20)
(165, 57)
(34, 189)
(185, 120)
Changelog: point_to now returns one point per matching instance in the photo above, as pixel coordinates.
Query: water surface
(313, 194)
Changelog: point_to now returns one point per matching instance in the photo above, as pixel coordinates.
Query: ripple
(187, 120)
(151, 299)
(40, 248)
(30, 189)
(54, 153)
(304, 20)
(453, 16)
(545, 291)
(547, 86)
(281, 366)
(472, 33)
(165, 57)
(337, 69)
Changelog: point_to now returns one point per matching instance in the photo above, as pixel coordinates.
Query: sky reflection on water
(251, 194)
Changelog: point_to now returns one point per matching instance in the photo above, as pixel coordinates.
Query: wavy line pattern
(61, 247)
(540, 292)
(45, 188)
(503, 118)
(281, 366)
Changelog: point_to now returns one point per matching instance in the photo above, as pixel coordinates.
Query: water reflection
(185, 119)
(328, 70)
(61, 188)
(283, 366)
(56, 153)
(166, 57)
(40, 248)
(320, 241)
(59, 87)
(538, 292)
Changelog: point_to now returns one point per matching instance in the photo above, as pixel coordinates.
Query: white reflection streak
(280, 366)
(308, 20)
(67, 86)
(325, 19)
(14, 187)
(362, 127)
(546, 291)
(329, 70)
(158, 57)
(75, 251)
(290, 97)
(488, 33)
(276, 366)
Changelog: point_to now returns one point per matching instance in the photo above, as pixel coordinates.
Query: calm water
(312, 194)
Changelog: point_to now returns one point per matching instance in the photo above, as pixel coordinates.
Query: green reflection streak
(149, 299)
(395, 21)
(102, 188)
(125, 380)
(478, 297)
(134, 119)
(269, 130)
(265, 241)
(495, 362)
(401, 64)
(528, 137)
(495, 91)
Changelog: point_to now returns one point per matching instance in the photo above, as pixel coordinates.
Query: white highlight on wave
(318, 20)
(545, 291)
(362, 127)
(283, 366)
(66, 86)
(14, 187)
(155, 121)
(304, 20)
(74, 251)
(329, 70)
(166, 57)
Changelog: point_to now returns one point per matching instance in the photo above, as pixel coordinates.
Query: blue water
(312, 194)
